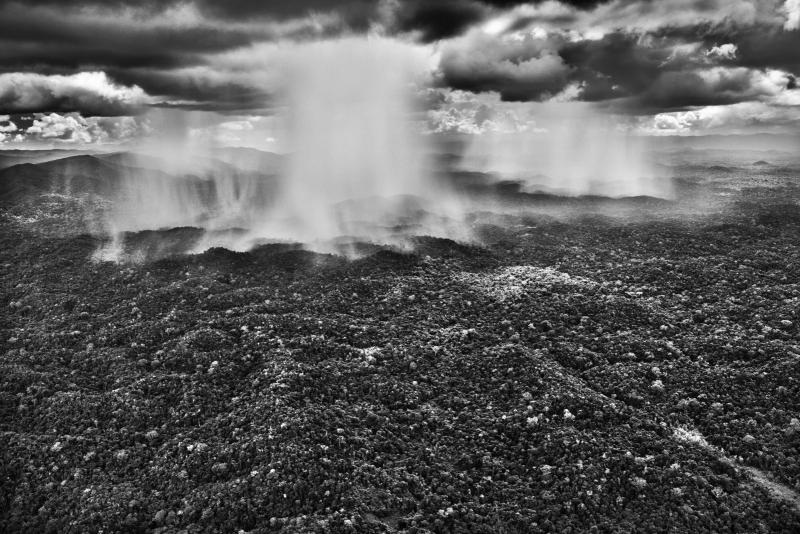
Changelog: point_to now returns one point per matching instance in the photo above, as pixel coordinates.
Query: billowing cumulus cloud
(725, 51)
(91, 93)
(74, 129)
(463, 112)
(526, 68)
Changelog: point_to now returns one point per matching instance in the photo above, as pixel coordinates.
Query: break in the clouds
(654, 61)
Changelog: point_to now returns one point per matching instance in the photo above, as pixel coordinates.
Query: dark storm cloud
(439, 19)
(148, 43)
(519, 70)
(146, 47)
(615, 66)
(72, 40)
(548, 80)
(175, 51)
(653, 74)
(532, 69)
(232, 9)
(47, 42)
(757, 46)
(195, 92)
(90, 93)
(247, 9)
(57, 36)
(673, 91)
(27, 28)
(632, 71)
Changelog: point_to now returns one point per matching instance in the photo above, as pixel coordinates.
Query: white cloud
(7, 128)
(725, 51)
(68, 128)
(790, 97)
(735, 118)
(771, 82)
(468, 113)
(72, 128)
(453, 120)
(683, 51)
(792, 10)
(570, 93)
(91, 93)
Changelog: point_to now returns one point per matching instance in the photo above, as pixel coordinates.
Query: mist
(573, 149)
(357, 167)
(173, 180)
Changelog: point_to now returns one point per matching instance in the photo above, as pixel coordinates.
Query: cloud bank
(628, 57)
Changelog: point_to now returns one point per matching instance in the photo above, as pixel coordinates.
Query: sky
(106, 72)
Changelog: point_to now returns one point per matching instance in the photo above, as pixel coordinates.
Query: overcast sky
(82, 72)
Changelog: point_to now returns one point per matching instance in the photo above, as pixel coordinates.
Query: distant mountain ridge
(106, 174)
(9, 158)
